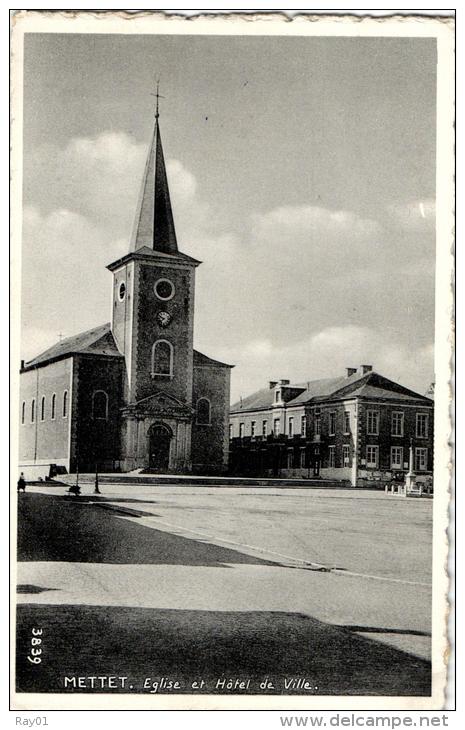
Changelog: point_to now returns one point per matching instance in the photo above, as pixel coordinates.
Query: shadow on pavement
(377, 630)
(182, 645)
(30, 589)
(51, 528)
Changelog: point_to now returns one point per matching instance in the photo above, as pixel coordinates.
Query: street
(281, 591)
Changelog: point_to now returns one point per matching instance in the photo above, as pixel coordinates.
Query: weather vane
(158, 96)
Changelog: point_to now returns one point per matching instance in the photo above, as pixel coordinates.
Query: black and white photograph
(232, 307)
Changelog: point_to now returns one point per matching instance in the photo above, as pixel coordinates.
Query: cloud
(415, 215)
(326, 354)
(316, 220)
(100, 177)
(65, 284)
(288, 292)
(183, 184)
(80, 222)
(310, 291)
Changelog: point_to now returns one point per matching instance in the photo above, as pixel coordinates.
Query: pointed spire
(154, 224)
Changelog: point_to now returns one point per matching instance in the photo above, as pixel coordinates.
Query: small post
(410, 478)
(75, 489)
(96, 489)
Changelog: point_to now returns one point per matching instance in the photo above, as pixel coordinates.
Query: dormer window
(277, 396)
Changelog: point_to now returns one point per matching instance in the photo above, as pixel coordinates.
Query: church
(132, 394)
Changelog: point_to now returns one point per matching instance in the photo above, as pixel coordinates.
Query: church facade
(133, 393)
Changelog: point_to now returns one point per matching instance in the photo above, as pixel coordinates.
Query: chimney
(284, 382)
(272, 383)
(350, 371)
(366, 369)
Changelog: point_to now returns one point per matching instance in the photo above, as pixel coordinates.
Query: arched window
(203, 411)
(42, 408)
(33, 410)
(162, 358)
(65, 404)
(23, 412)
(100, 405)
(54, 406)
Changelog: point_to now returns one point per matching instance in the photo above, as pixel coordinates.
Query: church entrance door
(159, 447)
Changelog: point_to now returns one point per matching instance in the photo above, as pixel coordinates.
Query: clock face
(164, 289)
(163, 318)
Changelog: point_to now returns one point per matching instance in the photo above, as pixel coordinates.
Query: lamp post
(410, 478)
(96, 489)
(75, 488)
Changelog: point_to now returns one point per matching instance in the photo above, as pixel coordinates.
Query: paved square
(331, 584)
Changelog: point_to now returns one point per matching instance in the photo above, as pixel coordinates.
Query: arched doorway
(160, 437)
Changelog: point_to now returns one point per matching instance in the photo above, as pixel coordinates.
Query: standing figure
(21, 483)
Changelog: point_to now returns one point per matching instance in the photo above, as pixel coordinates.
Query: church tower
(153, 325)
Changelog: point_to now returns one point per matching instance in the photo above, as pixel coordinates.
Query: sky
(302, 175)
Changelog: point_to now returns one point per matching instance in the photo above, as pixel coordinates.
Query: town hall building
(359, 427)
(133, 393)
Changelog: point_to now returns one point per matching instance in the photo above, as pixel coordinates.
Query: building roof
(201, 360)
(154, 224)
(365, 385)
(153, 233)
(148, 254)
(369, 391)
(97, 341)
(100, 341)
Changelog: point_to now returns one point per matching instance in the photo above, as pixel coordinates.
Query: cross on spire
(157, 96)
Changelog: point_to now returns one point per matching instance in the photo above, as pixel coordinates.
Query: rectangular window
(303, 425)
(422, 425)
(332, 423)
(303, 461)
(346, 422)
(290, 459)
(421, 459)
(373, 423)
(332, 456)
(252, 428)
(372, 457)
(241, 430)
(397, 457)
(291, 427)
(264, 428)
(230, 430)
(317, 426)
(346, 455)
(277, 396)
(277, 426)
(397, 423)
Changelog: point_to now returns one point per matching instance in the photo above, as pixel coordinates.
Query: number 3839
(35, 652)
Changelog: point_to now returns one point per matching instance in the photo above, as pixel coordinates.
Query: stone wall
(210, 442)
(46, 440)
(97, 440)
(179, 332)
